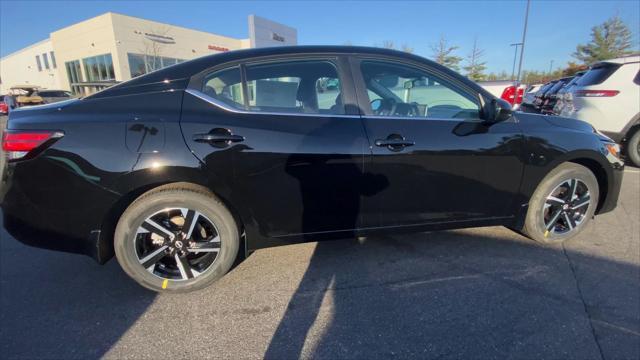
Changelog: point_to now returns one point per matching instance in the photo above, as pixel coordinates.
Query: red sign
(217, 48)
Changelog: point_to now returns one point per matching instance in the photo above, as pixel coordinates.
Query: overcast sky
(555, 27)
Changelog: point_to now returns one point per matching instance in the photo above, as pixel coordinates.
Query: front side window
(303, 87)
(225, 86)
(404, 91)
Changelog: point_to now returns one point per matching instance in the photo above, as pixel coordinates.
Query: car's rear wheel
(562, 205)
(176, 239)
(633, 148)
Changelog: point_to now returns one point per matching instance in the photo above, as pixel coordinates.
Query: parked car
(564, 94)
(540, 95)
(51, 96)
(25, 95)
(506, 90)
(4, 108)
(180, 171)
(550, 96)
(607, 97)
(530, 93)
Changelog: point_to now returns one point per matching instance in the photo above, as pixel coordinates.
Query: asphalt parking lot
(474, 293)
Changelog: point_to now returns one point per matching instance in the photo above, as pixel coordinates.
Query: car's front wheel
(176, 239)
(562, 205)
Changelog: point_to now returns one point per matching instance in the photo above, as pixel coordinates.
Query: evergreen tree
(609, 40)
(443, 54)
(475, 66)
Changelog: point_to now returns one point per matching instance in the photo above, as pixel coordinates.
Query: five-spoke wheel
(563, 204)
(566, 206)
(177, 243)
(176, 238)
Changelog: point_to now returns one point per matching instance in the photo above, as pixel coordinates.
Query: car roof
(185, 70)
(622, 60)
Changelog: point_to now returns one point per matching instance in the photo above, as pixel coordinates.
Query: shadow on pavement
(78, 309)
(452, 295)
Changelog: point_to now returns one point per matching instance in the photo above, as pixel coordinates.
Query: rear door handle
(214, 138)
(218, 137)
(394, 142)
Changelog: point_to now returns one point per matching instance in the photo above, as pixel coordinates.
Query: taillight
(20, 143)
(509, 94)
(520, 96)
(596, 93)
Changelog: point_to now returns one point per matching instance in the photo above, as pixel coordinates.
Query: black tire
(560, 178)
(203, 203)
(633, 148)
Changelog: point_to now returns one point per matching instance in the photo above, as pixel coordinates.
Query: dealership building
(112, 47)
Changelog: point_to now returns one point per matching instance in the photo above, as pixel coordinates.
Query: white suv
(608, 97)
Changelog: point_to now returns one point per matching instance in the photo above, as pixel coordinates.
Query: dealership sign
(277, 37)
(217, 48)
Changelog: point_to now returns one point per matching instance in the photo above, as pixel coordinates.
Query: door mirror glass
(500, 110)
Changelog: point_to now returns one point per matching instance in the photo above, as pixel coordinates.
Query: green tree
(443, 54)
(609, 40)
(475, 66)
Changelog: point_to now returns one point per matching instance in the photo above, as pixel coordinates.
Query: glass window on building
(74, 75)
(141, 64)
(99, 68)
(46, 60)
(53, 59)
(38, 63)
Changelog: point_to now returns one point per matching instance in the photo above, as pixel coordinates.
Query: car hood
(563, 122)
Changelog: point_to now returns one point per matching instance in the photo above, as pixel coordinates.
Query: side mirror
(498, 110)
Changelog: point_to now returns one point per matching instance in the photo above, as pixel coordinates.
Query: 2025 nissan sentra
(183, 170)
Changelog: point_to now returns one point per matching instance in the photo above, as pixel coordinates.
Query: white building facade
(110, 48)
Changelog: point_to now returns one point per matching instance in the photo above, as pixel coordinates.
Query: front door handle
(394, 142)
(218, 137)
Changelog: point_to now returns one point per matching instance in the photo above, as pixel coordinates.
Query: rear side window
(598, 74)
(225, 86)
(305, 87)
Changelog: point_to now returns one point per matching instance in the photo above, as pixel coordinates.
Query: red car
(4, 108)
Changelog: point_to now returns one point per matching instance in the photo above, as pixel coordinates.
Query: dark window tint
(46, 60)
(74, 75)
(53, 59)
(99, 68)
(38, 63)
(309, 87)
(54, 93)
(598, 74)
(141, 64)
(636, 79)
(225, 86)
(404, 91)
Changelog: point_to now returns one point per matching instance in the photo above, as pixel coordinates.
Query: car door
(276, 136)
(441, 161)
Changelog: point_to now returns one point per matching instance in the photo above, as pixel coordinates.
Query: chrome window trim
(204, 97)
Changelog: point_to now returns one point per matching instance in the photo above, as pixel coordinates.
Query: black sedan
(181, 171)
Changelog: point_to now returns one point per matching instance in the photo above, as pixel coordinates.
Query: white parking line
(633, 171)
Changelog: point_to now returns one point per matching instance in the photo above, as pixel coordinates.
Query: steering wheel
(384, 107)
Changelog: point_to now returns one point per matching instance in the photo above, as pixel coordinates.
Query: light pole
(524, 35)
(515, 56)
(550, 67)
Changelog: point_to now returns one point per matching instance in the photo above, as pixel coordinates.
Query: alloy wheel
(565, 207)
(177, 244)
